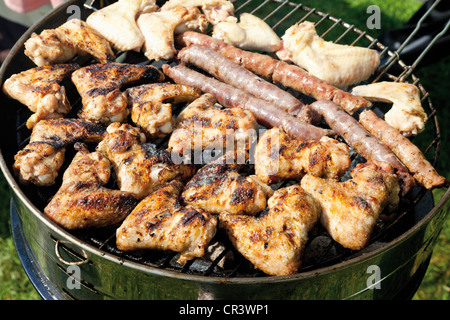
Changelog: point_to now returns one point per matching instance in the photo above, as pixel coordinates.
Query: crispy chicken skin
(140, 168)
(82, 201)
(99, 87)
(60, 45)
(158, 29)
(274, 241)
(202, 125)
(40, 161)
(218, 187)
(159, 222)
(279, 157)
(40, 90)
(339, 65)
(214, 10)
(117, 23)
(151, 106)
(350, 209)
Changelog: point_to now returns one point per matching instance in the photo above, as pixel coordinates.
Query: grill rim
(23, 199)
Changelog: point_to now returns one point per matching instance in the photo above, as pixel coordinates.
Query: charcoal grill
(87, 265)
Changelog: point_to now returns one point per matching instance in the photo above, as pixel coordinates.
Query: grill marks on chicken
(218, 187)
(274, 241)
(160, 222)
(140, 167)
(99, 87)
(82, 202)
(279, 157)
(201, 126)
(350, 209)
(60, 45)
(151, 106)
(41, 91)
(40, 161)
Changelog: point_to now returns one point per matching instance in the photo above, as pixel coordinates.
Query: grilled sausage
(367, 145)
(405, 150)
(266, 113)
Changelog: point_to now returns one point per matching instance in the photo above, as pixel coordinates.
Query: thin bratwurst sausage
(228, 96)
(239, 77)
(288, 75)
(367, 145)
(405, 150)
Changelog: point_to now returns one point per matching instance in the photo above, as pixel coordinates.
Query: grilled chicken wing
(158, 29)
(279, 157)
(218, 187)
(274, 241)
(202, 126)
(40, 90)
(117, 23)
(82, 201)
(215, 10)
(339, 65)
(140, 168)
(350, 209)
(407, 114)
(159, 222)
(151, 105)
(251, 33)
(99, 86)
(60, 45)
(40, 161)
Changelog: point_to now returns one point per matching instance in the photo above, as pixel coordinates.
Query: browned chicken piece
(202, 125)
(279, 157)
(140, 168)
(40, 90)
(151, 106)
(218, 187)
(274, 241)
(60, 45)
(350, 209)
(99, 86)
(159, 222)
(40, 161)
(82, 202)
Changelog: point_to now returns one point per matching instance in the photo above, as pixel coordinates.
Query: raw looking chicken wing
(350, 209)
(406, 114)
(158, 29)
(40, 161)
(274, 241)
(75, 37)
(219, 187)
(82, 202)
(279, 157)
(214, 10)
(251, 33)
(159, 222)
(140, 167)
(151, 105)
(117, 23)
(202, 125)
(339, 65)
(41, 91)
(99, 87)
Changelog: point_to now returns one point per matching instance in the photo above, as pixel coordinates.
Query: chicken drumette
(82, 201)
(140, 167)
(274, 242)
(279, 157)
(218, 187)
(159, 222)
(40, 90)
(350, 209)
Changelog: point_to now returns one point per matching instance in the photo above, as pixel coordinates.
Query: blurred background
(433, 72)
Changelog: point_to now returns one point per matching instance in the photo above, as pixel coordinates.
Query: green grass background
(14, 284)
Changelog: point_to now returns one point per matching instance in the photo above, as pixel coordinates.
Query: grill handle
(69, 263)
